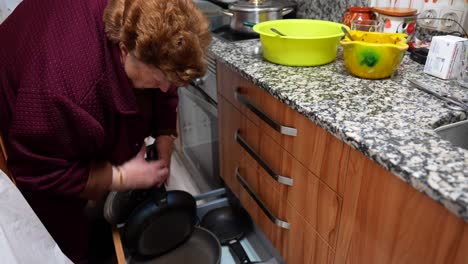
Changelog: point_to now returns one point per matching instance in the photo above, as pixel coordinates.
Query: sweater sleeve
(166, 112)
(52, 143)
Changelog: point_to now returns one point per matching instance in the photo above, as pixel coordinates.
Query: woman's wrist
(99, 180)
(118, 175)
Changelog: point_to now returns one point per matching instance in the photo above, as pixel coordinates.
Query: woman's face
(142, 75)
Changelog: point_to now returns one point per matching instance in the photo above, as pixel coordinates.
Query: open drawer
(255, 243)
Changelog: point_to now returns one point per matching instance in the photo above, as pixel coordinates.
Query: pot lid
(256, 5)
(394, 11)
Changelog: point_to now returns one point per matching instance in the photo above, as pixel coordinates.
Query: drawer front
(232, 84)
(312, 199)
(297, 245)
(256, 104)
(261, 213)
(322, 153)
(268, 199)
(230, 153)
(301, 244)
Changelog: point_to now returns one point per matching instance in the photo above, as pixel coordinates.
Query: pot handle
(249, 24)
(286, 10)
(227, 12)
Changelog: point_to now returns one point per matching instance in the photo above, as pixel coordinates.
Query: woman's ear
(123, 52)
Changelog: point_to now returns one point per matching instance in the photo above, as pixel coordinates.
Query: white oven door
(198, 121)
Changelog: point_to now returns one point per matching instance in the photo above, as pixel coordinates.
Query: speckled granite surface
(389, 121)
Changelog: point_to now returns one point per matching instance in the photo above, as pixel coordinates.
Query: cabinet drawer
(319, 151)
(232, 83)
(314, 200)
(302, 244)
(256, 104)
(297, 245)
(322, 153)
(263, 211)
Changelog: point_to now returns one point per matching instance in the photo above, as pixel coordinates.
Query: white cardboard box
(445, 56)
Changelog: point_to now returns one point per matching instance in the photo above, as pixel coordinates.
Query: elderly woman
(82, 83)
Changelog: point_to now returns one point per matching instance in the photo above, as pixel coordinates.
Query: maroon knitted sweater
(65, 101)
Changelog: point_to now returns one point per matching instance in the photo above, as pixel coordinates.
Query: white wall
(6, 7)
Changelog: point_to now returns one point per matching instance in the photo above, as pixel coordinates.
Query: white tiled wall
(6, 7)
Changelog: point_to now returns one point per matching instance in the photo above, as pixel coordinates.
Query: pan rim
(217, 254)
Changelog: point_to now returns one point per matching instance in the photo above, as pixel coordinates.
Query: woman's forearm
(164, 144)
(99, 180)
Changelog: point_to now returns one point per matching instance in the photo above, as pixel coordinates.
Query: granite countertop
(388, 120)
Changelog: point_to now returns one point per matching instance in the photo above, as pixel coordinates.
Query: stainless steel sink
(457, 133)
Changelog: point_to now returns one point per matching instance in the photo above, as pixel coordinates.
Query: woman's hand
(139, 173)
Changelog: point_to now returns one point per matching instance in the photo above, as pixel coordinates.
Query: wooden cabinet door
(229, 122)
(386, 221)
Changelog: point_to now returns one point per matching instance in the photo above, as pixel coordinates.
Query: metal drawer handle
(274, 219)
(285, 130)
(279, 178)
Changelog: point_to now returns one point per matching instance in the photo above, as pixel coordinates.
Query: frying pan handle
(161, 193)
(151, 152)
(161, 196)
(239, 251)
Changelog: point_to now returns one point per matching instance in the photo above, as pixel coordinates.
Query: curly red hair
(171, 35)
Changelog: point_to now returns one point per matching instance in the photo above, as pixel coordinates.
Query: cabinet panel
(233, 82)
(313, 199)
(272, 153)
(384, 220)
(226, 83)
(263, 107)
(273, 232)
(230, 154)
(302, 244)
(250, 133)
(321, 152)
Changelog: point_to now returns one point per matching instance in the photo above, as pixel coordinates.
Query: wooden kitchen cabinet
(342, 207)
(261, 155)
(384, 220)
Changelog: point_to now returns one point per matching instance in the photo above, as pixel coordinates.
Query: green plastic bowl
(307, 42)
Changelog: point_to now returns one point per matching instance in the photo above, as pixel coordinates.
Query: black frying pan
(229, 224)
(201, 248)
(161, 223)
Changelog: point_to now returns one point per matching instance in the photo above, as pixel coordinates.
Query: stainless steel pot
(255, 11)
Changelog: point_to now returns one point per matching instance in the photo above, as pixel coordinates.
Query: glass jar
(358, 13)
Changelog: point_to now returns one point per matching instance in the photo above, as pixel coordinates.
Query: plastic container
(307, 42)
